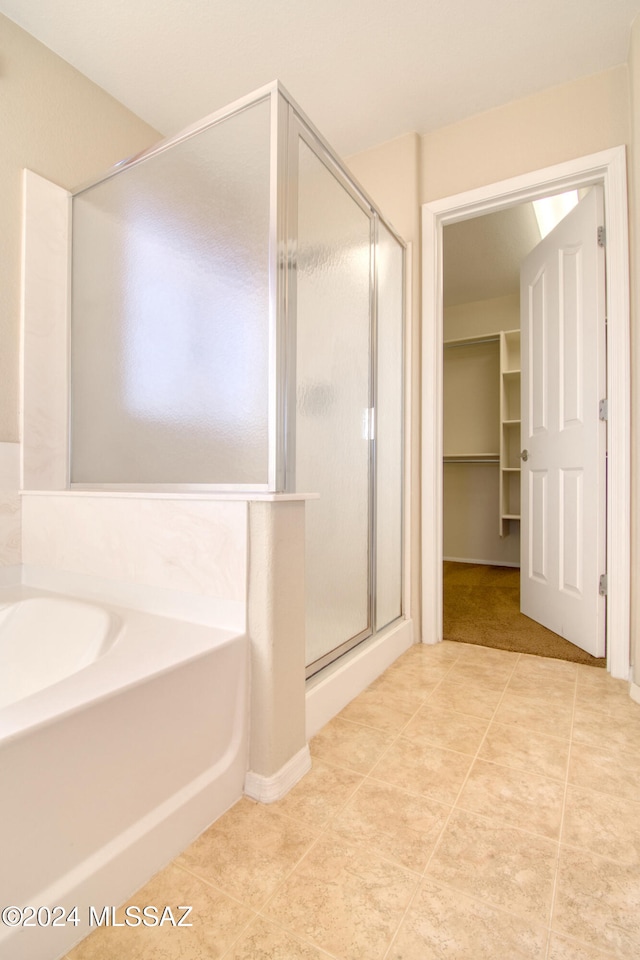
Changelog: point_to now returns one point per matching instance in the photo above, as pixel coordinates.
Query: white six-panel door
(562, 303)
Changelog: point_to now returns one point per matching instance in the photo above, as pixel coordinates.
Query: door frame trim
(609, 169)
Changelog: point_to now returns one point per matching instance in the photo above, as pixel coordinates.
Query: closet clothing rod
(467, 343)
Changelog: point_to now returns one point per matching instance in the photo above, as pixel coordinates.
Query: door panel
(571, 500)
(537, 340)
(571, 390)
(563, 379)
(537, 555)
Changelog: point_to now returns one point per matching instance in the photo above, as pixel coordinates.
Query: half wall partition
(237, 324)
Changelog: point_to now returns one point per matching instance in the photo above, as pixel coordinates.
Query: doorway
(607, 168)
(487, 358)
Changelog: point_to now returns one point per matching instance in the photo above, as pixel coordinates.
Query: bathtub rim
(148, 637)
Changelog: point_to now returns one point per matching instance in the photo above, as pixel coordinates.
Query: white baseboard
(485, 563)
(270, 789)
(634, 691)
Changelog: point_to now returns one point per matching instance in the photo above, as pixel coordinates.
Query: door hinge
(604, 585)
(602, 237)
(603, 409)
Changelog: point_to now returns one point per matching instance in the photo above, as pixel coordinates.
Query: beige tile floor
(472, 804)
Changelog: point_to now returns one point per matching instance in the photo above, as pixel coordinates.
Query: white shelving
(510, 424)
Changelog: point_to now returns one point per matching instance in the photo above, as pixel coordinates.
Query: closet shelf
(464, 341)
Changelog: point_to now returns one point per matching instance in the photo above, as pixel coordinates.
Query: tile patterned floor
(472, 804)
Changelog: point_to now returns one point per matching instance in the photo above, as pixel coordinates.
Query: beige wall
(558, 124)
(62, 126)
(482, 317)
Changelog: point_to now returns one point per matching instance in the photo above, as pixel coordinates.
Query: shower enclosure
(237, 325)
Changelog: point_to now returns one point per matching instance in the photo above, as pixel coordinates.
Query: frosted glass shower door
(332, 440)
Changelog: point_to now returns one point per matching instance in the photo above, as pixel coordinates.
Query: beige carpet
(482, 605)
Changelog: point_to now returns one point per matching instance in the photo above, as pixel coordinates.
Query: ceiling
(365, 71)
(482, 256)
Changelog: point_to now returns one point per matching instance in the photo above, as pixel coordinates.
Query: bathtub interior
(44, 640)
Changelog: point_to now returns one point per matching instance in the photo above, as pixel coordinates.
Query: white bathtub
(108, 772)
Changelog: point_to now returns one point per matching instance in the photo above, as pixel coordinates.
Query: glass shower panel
(170, 313)
(389, 427)
(332, 401)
